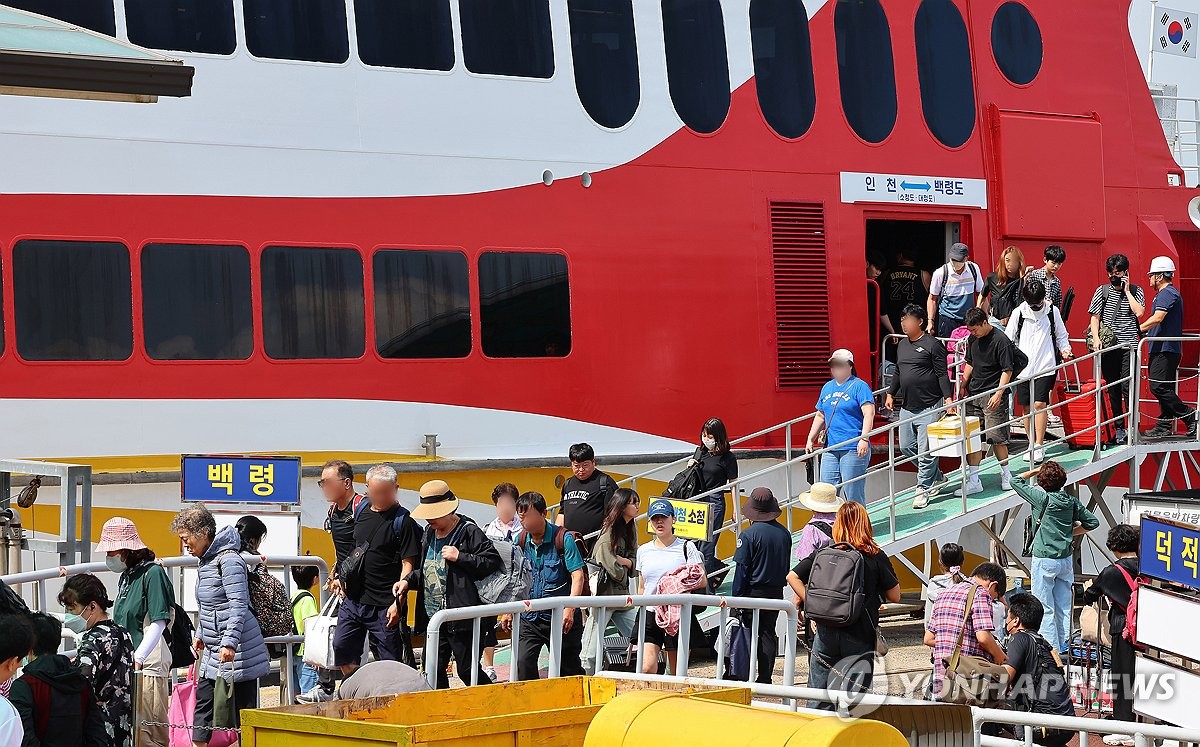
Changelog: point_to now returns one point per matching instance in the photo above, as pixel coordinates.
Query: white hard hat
(1161, 264)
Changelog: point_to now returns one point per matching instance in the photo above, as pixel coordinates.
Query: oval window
(865, 69)
(1016, 43)
(783, 74)
(697, 69)
(944, 72)
(604, 50)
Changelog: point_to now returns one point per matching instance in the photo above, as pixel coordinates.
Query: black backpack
(1049, 686)
(11, 603)
(835, 593)
(687, 483)
(179, 634)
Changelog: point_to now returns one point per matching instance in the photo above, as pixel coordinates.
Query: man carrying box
(992, 361)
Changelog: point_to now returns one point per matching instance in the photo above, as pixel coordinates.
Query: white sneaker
(1118, 740)
(1039, 453)
(316, 695)
(1053, 419)
(491, 673)
(1006, 480)
(922, 499)
(973, 486)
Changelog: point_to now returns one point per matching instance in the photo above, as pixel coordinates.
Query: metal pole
(1150, 58)
(966, 448)
(432, 639)
(892, 480)
(556, 634)
(683, 653)
(513, 641)
(601, 614)
(641, 631)
(789, 646)
(474, 652)
(753, 645)
(1097, 378)
(722, 643)
(787, 474)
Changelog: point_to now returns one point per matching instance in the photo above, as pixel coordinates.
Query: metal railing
(600, 606)
(1182, 130)
(43, 577)
(1188, 375)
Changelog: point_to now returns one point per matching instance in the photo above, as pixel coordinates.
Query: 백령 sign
(240, 479)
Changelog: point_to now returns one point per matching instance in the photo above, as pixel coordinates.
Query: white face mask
(75, 623)
(115, 564)
(709, 442)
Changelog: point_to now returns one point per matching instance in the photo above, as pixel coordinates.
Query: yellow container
(945, 437)
(541, 713)
(637, 719)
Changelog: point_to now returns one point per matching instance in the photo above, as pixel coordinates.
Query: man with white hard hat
(1166, 321)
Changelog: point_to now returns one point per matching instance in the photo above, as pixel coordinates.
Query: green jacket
(1053, 538)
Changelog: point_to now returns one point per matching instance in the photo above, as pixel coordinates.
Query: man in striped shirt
(946, 623)
(1055, 257)
(1118, 304)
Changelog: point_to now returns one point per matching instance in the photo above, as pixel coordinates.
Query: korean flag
(1176, 32)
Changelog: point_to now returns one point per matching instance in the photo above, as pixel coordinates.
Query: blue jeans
(709, 549)
(1051, 584)
(304, 675)
(842, 465)
(624, 620)
(914, 441)
(852, 657)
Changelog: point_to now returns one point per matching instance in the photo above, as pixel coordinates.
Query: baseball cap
(660, 507)
(842, 355)
(959, 251)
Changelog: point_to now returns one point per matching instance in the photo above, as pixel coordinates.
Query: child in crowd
(16, 641)
(304, 606)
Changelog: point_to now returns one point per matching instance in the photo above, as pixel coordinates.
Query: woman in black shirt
(1002, 288)
(718, 466)
(1114, 583)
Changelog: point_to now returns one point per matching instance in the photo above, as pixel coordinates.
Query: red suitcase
(1079, 416)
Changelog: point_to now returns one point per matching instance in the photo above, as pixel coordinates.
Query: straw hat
(821, 498)
(119, 533)
(761, 506)
(436, 501)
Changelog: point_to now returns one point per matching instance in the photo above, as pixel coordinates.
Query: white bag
(318, 634)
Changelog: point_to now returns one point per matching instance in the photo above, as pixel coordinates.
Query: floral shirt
(106, 660)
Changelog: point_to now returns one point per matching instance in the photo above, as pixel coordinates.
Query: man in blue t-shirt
(1166, 321)
(557, 572)
(953, 291)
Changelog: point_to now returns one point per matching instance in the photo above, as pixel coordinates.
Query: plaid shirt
(946, 622)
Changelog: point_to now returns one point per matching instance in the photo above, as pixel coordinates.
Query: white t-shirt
(654, 562)
(11, 731)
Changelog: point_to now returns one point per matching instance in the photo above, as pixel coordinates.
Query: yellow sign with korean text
(693, 519)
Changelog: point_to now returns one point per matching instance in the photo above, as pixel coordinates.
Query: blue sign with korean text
(241, 479)
(1170, 551)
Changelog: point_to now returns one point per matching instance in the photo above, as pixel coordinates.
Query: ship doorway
(925, 243)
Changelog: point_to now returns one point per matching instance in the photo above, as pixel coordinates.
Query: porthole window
(1016, 43)
(415, 34)
(697, 66)
(604, 50)
(507, 37)
(944, 72)
(865, 68)
(311, 30)
(783, 73)
(182, 25)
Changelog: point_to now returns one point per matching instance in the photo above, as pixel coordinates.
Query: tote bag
(318, 634)
(181, 716)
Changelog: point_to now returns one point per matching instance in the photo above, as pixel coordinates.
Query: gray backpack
(835, 593)
(513, 582)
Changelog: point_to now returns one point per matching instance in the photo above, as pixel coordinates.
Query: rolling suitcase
(1079, 416)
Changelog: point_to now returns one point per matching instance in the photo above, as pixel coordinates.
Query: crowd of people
(1015, 334)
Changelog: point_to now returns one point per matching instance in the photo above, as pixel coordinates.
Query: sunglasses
(322, 481)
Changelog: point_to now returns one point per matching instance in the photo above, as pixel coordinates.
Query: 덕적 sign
(693, 520)
(240, 479)
(1170, 551)
(913, 190)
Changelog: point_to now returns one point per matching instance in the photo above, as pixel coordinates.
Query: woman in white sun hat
(143, 607)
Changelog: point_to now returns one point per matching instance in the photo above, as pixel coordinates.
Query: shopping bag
(737, 637)
(181, 716)
(224, 706)
(318, 634)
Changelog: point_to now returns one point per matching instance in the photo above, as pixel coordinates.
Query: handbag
(1093, 626)
(1032, 527)
(318, 634)
(881, 644)
(973, 680)
(224, 706)
(181, 714)
(1108, 338)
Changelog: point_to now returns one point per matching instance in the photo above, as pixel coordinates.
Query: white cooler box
(945, 437)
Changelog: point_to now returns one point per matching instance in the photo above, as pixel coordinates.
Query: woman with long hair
(718, 466)
(1002, 288)
(613, 564)
(843, 657)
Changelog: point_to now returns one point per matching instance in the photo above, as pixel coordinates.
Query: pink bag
(181, 714)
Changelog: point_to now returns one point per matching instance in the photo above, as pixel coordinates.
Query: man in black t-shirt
(990, 363)
(585, 495)
(337, 485)
(901, 285)
(392, 542)
(1036, 676)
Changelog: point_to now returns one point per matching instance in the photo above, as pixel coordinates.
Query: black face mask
(1036, 308)
(1116, 281)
